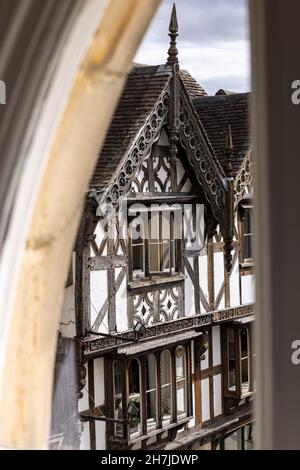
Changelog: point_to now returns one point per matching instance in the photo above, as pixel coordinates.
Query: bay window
(153, 396)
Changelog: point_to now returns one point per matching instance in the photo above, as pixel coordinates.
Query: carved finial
(173, 33)
(229, 153)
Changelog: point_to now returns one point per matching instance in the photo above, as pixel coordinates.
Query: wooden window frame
(238, 393)
(156, 275)
(245, 207)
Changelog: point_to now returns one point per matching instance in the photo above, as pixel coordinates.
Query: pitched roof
(141, 92)
(216, 114)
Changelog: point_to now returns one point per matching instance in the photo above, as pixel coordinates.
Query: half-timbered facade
(161, 289)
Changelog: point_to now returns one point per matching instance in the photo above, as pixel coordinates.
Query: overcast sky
(213, 42)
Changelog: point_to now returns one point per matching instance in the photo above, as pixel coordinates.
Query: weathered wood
(189, 388)
(82, 276)
(211, 371)
(150, 174)
(156, 306)
(98, 263)
(227, 284)
(96, 347)
(166, 281)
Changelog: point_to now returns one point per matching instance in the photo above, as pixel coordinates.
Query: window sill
(247, 264)
(154, 433)
(138, 283)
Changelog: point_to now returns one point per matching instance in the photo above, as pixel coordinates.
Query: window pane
(154, 257)
(245, 359)
(166, 388)
(181, 396)
(134, 401)
(150, 366)
(165, 261)
(247, 222)
(248, 247)
(138, 257)
(231, 359)
(247, 242)
(118, 413)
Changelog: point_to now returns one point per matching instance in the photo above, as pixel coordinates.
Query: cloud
(213, 41)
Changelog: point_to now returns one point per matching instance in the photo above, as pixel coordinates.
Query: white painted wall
(203, 277)
(217, 381)
(189, 297)
(248, 289)
(100, 435)
(98, 289)
(234, 284)
(216, 344)
(205, 399)
(219, 276)
(99, 381)
(121, 304)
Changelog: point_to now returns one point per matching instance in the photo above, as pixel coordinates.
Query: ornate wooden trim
(243, 178)
(231, 313)
(200, 157)
(139, 151)
(95, 346)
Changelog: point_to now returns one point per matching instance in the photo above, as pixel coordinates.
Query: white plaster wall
(98, 289)
(216, 343)
(121, 305)
(217, 380)
(99, 232)
(205, 399)
(189, 297)
(234, 284)
(85, 436)
(248, 289)
(180, 173)
(203, 277)
(100, 435)
(219, 276)
(99, 381)
(103, 328)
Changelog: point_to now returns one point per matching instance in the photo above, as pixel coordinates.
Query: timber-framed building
(164, 324)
